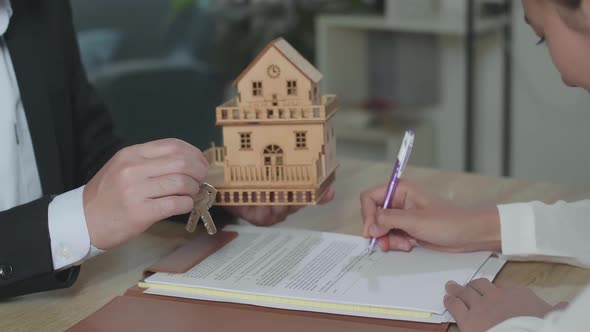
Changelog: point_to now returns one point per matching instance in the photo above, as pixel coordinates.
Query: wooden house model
(279, 146)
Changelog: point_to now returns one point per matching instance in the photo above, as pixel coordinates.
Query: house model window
(292, 88)
(257, 88)
(246, 141)
(301, 139)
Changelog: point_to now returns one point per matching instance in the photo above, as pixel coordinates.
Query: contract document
(324, 272)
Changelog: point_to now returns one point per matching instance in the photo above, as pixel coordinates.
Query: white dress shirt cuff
(70, 241)
(517, 227)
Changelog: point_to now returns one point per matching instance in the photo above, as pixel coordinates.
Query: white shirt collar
(5, 14)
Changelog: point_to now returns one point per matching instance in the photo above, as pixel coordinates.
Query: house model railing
(215, 155)
(230, 112)
(279, 176)
(275, 175)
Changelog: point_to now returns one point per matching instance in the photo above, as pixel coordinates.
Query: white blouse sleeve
(554, 233)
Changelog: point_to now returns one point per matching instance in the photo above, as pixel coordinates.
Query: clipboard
(136, 311)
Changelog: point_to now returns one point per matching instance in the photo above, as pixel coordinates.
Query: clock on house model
(273, 71)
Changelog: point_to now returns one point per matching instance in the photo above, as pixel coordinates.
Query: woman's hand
(417, 217)
(481, 305)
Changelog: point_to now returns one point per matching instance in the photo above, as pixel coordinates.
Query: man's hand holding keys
(149, 182)
(140, 185)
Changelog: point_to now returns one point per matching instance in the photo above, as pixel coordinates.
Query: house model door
(273, 161)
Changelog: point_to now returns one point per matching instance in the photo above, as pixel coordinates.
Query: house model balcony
(279, 146)
(231, 113)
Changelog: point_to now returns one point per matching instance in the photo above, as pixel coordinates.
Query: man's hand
(139, 186)
(481, 305)
(270, 215)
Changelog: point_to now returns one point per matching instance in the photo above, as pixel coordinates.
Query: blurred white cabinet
(342, 57)
(358, 140)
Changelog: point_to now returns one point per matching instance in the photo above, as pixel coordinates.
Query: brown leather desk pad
(135, 311)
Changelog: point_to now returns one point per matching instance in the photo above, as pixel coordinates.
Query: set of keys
(203, 202)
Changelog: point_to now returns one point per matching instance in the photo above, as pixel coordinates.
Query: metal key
(203, 202)
(193, 219)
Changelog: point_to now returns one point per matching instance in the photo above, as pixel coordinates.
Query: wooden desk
(112, 273)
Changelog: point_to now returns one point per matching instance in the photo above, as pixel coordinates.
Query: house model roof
(291, 54)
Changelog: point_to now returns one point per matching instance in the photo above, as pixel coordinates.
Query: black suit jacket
(72, 135)
(71, 131)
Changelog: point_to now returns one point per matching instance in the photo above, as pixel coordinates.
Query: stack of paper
(325, 272)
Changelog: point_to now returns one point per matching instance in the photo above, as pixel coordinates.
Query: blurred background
(465, 75)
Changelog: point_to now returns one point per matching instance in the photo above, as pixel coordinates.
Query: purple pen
(400, 164)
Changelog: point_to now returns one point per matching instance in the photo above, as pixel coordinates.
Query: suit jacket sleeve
(26, 265)
(96, 140)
